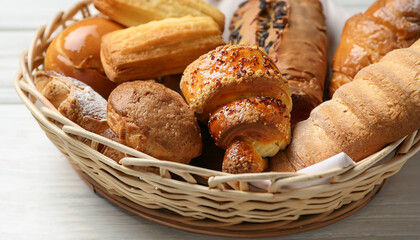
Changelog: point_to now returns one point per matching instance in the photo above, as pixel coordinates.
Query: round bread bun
(75, 52)
(155, 120)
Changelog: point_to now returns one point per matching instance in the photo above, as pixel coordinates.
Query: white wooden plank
(27, 14)
(12, 44)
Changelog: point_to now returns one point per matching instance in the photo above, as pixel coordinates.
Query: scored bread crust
(293, 33)
(381, 105)
(155, 120)
(229, 73)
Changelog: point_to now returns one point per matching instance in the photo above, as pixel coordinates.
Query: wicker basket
(222, 204)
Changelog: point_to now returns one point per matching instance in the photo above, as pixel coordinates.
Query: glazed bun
(75, 52)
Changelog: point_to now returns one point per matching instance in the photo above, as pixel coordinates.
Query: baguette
(380, 106)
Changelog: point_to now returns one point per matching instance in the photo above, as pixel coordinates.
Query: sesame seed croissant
(239, 91)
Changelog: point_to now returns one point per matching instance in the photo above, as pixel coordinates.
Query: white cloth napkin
(340, 160)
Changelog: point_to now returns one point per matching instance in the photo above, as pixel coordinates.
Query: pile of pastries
(157, 76)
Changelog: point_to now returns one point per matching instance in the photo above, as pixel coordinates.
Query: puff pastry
(157, 48)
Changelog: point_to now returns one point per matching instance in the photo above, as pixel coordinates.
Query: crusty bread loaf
(293, 33)
(380, 106)
(367, 37)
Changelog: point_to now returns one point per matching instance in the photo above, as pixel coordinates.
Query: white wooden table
(41, 197)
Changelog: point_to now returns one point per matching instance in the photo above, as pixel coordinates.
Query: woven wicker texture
(201, 196)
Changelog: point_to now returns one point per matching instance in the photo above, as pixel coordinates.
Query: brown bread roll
(155, 120)
(293, 33)
(386, 25)
(381, 105)
(75, 52)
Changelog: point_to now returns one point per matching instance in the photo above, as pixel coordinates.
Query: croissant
(239, 91)
(381, 105)
(367, 37)
(293, 33)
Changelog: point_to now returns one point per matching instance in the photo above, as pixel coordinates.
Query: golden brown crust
(136, 12)
(230, 73)
(242, 157)
(367, 37)
(154, 119)
(259, 118)
(75, 52)
(287, 29)
(158, 48)
(280, 163)
(248, 103)
(380, 106)
(74, 100)
(108, 151)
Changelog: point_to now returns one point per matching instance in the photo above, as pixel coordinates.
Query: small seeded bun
(155, 120)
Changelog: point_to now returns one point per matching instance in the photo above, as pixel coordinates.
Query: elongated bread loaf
(293, 33)
(381, 105)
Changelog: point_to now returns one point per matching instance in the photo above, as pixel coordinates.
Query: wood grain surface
(41, 196)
